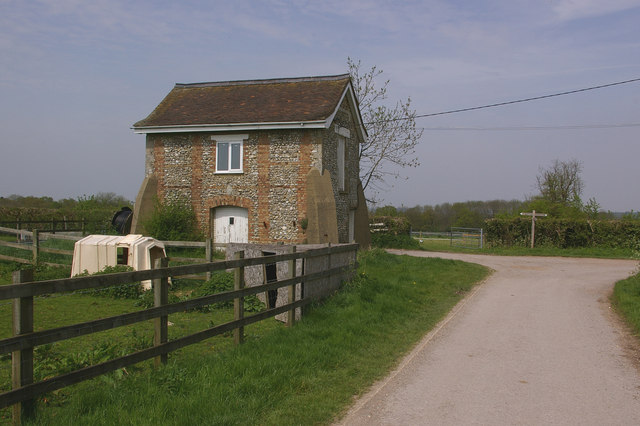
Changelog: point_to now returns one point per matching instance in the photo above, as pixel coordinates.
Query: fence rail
(24, 290)
(34, 246)
(36, 237)
(53, 226)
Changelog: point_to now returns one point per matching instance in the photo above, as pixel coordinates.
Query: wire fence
(471, 238)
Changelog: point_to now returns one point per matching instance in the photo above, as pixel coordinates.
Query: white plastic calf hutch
(94, 252)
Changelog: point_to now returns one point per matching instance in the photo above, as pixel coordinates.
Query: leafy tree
(465, 215)
(442, 217)
(111, 199)
(592, 209)
(392, 131)
(561, 182)
(387, 211)
(554, 209)
(415, 216)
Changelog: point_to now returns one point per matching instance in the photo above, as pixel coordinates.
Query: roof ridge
(268, 81)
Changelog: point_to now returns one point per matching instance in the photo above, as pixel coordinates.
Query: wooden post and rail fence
(34, 246)
(53, 226)
(36, 237)
(23, 291)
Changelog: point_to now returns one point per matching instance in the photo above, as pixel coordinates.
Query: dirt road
(536, 344)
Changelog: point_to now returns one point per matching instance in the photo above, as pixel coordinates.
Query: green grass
(626, 299)
(433, 244)
(72, 354)
(304, 375)
(41, 272)
(69, 309)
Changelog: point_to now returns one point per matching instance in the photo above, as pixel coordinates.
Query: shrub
(219, 282)
(385, 240)
(223, 281)
(173, 220)
(393, 225)
(146, 299)
(563, 233)
(392, 232)
(121, 291)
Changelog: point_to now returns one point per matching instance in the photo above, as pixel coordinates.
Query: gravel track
(536, 344)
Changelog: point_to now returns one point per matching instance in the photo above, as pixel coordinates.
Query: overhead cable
(569, 92)
(567, 127)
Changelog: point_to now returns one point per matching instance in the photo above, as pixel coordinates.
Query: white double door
(230, 225)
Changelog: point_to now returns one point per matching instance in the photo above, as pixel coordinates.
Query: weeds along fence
(25, 339)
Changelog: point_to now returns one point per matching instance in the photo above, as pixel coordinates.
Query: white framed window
(229, 150)
(341, 147)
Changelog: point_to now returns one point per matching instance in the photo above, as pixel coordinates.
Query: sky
(75, 75)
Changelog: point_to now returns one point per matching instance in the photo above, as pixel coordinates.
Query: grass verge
(304, 375)
(626, 299)
(444, 245)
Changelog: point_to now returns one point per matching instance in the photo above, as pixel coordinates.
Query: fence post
(238, 302)
(160, 298)
(355, 262)
(329, 266)
(83, 227)
(209, 255)
(36, 245)
(22, 361)
(291, 316)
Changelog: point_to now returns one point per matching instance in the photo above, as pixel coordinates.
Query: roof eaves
(318, 124)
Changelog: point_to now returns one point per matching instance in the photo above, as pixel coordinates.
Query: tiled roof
(256, 101)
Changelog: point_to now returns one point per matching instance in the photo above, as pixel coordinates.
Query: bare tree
(561, 182)
(392, 132)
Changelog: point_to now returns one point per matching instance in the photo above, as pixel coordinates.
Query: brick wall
(272, 186)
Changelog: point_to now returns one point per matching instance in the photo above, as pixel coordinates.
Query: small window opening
(270, 276)
(122, 256)
(231, 220)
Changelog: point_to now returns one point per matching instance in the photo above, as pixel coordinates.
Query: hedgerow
(564, 233)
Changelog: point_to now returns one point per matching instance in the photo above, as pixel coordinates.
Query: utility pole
(533, 215)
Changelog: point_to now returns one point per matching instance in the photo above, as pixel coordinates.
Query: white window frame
(230, 141)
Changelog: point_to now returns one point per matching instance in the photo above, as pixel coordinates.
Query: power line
(568, 127)
(569, 92)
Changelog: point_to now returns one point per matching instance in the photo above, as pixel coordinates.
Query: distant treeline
(473, 214)
(92, 208)
(101, 199)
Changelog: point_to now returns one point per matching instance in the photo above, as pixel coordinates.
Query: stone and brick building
(261, 161)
